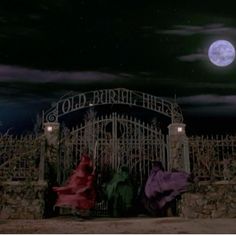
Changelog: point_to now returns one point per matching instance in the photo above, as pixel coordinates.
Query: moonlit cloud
(126, 75)
(193, 57)
(218, 29)
(211, 85)
(209, 29)
(207, 104)
(32, 86)
(14, 73)
(208, 99)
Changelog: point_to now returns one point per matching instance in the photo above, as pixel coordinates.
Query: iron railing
(213, 157)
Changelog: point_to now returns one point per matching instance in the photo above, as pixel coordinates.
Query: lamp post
(51, 131)
(178, 147)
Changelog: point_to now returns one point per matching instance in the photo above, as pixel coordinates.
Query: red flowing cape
(78, 191)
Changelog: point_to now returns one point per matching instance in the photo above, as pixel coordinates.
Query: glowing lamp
(180, 129)
(49, 128)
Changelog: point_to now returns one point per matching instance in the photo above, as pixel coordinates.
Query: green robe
(120, 194)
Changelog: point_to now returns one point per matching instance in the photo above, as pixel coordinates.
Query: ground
(73, 225)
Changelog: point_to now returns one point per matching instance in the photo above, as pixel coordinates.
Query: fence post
(42, 159)
(178, 148)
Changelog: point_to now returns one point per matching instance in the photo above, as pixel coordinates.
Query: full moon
(221, 53)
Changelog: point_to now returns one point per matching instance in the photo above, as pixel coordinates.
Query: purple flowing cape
(163, 186)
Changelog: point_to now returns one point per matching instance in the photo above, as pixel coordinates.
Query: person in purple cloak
(162, 187)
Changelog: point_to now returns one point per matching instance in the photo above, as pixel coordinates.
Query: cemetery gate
(112, 141)
(115, 139)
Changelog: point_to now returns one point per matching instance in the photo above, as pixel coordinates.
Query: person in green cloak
(120, 194)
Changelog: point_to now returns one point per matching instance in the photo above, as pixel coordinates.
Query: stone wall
(210, 200)
(22, 200)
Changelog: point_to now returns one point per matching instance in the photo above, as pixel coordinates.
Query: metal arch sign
(113, 96)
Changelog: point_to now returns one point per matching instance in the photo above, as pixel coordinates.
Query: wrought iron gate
(112, 141)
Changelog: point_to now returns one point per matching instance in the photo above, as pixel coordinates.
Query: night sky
(51, 47)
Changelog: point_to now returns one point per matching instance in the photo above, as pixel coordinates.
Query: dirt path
(108, 225)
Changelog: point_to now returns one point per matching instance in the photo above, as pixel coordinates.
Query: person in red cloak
(79, 190)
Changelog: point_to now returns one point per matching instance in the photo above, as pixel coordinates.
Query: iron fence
(213, 157)
(20, 157)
